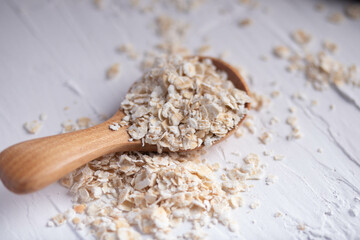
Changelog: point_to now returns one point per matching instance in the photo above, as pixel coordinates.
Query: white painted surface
(54, 54)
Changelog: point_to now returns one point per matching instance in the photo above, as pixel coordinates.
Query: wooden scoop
(31, 165)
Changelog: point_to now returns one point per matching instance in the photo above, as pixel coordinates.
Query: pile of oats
(120, 195)
(181, 104)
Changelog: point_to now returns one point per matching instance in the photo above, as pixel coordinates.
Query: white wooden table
(53, 54)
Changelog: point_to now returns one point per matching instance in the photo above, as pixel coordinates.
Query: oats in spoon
(181, 104)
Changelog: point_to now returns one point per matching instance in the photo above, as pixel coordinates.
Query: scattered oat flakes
(114, 126)
(259, 101)
(273, 120)
(336, 18)
(173, 32)
(84, 122)
(50, 223)
(301, 37)
(271, 179)
(113, 71)
(292, 109)
(59, 219)
(281, 51)
(291, 121)
(33, 127)
(99, 4)
(233, 226)
(332, 106)
(299, 95)
(314, 102)
(239, 132)
(353, 11)
(187, 6)
(319, 7)
(295, 129)
(250, 126)
(278, 157)
(68, 126)
(203, 49)
(255, 204)
(266, 137)
(129, 50)
(268, 153)
(278, 214)
(275, 94)
(330, 46)
(246, 22)
(301, 227)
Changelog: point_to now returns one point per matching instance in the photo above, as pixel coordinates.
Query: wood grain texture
(32, 165)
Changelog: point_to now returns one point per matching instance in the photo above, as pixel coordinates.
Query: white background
(54, 54)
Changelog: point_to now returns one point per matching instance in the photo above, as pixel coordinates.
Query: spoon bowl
(32, 165)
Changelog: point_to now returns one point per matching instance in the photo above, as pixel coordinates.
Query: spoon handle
(31, 165)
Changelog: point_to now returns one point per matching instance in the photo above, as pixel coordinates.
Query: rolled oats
(266, 137)
(330, 46)
(33, 127)
(246, 22)
(281, 51)
(301, 37)
(319, 7)
(336, 18)
(204, 49)
(255, 204)
(183, 104)
(113, 71)
(153, 193)
(278, 214)
(353, 11)
(129, 50)
(114, 126)
(278, 157)
(320, 69)
(271, 179)
(84, 122)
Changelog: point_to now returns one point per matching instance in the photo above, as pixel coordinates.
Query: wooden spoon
(31, 165)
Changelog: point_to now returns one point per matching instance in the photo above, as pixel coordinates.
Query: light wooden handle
(32, 165)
